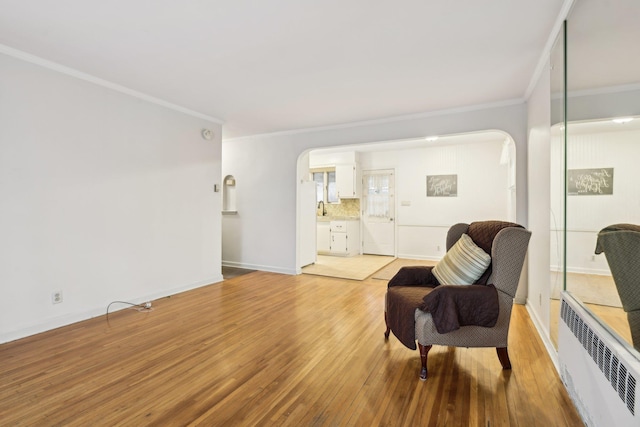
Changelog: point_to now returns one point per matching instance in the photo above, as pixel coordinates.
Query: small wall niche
(229, 195)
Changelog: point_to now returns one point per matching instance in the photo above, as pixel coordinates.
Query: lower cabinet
(341, 238)
(345, 238)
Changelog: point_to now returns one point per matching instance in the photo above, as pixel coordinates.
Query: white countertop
(328, 218)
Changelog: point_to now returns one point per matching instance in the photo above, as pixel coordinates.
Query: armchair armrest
(453, 306)
(420, 275)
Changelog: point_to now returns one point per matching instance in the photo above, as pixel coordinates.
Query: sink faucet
(324, 211)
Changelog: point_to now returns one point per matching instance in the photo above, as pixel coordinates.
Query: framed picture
(590, 182)
(442, 185)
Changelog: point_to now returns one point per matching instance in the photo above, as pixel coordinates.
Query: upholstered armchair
(621, 246)
(466, 299)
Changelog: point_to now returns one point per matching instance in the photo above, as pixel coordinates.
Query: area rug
(354, 268)
(387, 272)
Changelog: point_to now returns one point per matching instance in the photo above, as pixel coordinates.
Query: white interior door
(378, 226)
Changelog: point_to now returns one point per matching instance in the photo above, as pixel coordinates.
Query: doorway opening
(397, 214)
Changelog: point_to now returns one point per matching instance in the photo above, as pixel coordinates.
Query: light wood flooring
(270, 349)
(588, 288)
(231, 272)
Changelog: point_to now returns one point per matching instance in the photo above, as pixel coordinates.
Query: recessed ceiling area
(264, 67)
(413, 143)
(589, 127)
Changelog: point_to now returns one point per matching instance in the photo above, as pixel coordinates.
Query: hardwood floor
(270, 349)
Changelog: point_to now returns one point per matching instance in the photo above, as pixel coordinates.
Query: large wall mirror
(595, 166)
(556, 166)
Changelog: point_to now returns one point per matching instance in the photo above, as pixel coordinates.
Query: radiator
(598, 370)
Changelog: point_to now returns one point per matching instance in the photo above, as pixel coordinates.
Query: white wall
(317, 160)
(104, 197)
(263, 234)
(483, 191)
(539, 122)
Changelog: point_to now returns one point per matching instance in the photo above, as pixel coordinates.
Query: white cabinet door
(323, 237)
(339, 243)
(347, 180)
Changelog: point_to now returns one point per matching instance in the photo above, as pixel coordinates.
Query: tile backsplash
(346, 207)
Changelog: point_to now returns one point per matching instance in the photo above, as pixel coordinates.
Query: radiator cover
(598, 370)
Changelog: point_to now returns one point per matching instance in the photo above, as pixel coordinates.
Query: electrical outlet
(438, 248)
(56, 297)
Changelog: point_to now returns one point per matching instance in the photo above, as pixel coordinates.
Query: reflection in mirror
(601, 191)
(556, 219)
(602, 171)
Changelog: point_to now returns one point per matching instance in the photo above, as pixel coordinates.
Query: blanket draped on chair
(450, 306)
(454, 306)
(402, 302)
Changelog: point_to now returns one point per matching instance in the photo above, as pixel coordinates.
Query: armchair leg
(504, 357)
(386, 333)
(424, 351)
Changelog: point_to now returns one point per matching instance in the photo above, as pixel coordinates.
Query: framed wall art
(590, 182)
(442, 185)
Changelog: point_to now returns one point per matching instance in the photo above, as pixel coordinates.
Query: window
(325, 180)
(378, 195)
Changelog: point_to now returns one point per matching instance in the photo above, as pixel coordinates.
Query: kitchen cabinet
(323, 237)
(345, 237)
(348, 181)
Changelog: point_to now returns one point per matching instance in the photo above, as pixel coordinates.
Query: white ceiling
(269, 66)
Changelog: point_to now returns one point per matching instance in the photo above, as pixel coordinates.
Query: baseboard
(70, 318)
(50, 324)
(544, 336)
(579, 270)
(271, 269)
(420, 257)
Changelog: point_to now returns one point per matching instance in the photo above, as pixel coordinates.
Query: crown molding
(27, 57)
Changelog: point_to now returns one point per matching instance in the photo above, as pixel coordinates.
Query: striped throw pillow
(463, 264)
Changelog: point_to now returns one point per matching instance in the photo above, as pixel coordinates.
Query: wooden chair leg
(503, 355)
(386, 333)
(424, 351)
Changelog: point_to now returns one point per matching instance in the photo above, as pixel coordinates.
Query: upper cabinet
(348, 181)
